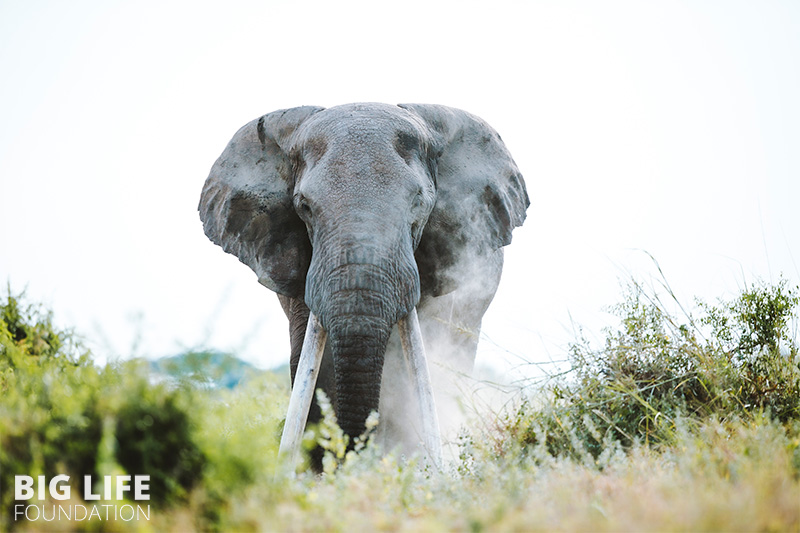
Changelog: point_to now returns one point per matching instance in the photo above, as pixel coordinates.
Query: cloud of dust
(450, 327)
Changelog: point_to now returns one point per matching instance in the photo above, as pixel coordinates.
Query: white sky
(671, 127)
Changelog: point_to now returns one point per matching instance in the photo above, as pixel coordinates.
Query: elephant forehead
(369, 124)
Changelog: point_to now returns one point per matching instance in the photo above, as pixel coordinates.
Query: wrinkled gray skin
(361, 212)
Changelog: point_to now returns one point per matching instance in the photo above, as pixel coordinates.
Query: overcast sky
(669, 127)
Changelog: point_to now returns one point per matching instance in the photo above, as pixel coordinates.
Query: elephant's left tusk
(414, 350)
(303, 391)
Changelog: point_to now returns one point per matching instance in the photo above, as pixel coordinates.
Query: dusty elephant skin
(360, 213)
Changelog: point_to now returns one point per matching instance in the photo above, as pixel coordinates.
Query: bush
(61, 414)
(154, 435)
(738, 359)
(48, 419)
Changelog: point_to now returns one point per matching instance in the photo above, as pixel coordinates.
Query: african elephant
(359, 213)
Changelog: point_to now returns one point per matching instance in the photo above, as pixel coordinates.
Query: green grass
(676, 422)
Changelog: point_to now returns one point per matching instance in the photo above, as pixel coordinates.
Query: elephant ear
(480, 198)
(246, 203)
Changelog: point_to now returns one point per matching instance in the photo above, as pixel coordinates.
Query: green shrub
(61, 414)
(154, 435)
(48, 417)
(737, 359)
(238, 433)
(753, 335)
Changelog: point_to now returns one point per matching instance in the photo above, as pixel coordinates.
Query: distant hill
(212, 369)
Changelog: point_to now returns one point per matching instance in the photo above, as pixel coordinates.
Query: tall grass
(677, 422)
(738, 358)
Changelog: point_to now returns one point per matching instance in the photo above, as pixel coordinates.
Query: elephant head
(360, 210)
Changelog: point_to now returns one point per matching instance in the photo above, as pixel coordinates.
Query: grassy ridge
(677, 422)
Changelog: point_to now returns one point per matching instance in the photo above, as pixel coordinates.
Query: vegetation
(678, 422)
(655, 372)
(60, 413)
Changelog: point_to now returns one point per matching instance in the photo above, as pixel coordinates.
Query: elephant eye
(417, 203)
(302, 207)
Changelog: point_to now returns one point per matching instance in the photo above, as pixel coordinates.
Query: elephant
(359, 215)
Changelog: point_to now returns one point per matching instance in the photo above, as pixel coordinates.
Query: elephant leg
(297, 312)
(451, 323)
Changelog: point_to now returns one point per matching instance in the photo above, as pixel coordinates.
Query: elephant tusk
(303, 391)
(414, 351)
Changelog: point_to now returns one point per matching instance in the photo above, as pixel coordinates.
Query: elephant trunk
(358, 302)
(358, 345)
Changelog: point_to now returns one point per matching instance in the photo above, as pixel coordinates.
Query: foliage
(720, 476)
(330, 437)
(48, 411)
(673, 424)
(61, 414)
(154, 435)
(737, 359)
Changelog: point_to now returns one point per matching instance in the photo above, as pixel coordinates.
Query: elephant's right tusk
(414, 350)
(303, 391)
